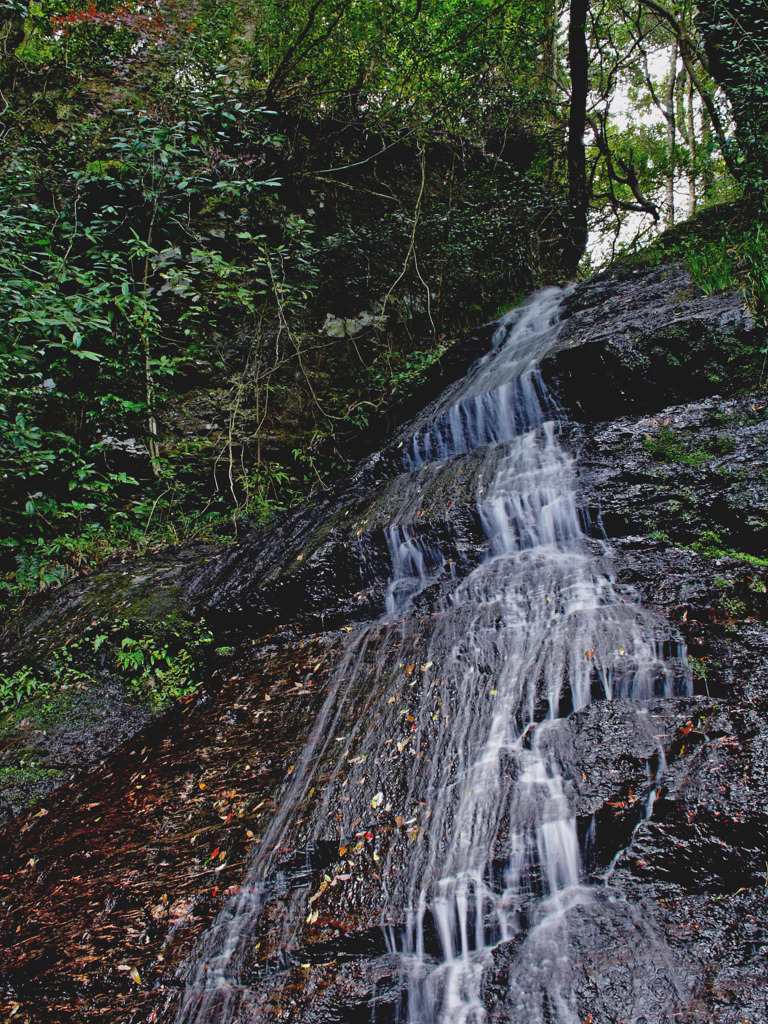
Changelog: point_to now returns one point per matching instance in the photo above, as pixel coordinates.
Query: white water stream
(537, 626)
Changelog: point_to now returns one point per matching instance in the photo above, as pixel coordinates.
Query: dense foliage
(231, 234)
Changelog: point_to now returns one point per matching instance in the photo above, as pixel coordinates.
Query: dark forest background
(235, 234)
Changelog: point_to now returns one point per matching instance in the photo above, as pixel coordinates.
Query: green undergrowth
(155, 663)
(166, 374)
(704, 228)
(737, 260)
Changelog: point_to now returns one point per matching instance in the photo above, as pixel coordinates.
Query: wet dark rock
(639, 341)
(680, 490)
(668, 425)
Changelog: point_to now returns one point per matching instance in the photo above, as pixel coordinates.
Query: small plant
(159, 664)
(18, 688)
(733, 607)
(700, 669)
(711, 268)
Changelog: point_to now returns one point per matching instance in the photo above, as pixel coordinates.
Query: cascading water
(426, 787)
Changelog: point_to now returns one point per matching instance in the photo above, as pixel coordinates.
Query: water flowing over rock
(475, 762)
(456, 682)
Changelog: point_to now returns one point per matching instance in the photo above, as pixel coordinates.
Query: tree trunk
(551, 55)
(669, 114)
(578, 198)
(707, 170)
(690, 119)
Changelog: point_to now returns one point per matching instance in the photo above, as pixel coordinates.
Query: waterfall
(426, 788)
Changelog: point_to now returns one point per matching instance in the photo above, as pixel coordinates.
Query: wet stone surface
(108, 884)
(120, 871)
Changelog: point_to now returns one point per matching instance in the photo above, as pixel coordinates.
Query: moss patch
(23, 784)
(680, 447)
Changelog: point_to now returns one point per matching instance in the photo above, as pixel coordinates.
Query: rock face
(109, 889)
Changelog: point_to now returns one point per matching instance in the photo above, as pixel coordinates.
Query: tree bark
(669, 114)
(578, 196)
(690, 121)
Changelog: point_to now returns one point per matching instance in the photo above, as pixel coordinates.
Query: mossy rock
(93, 662)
